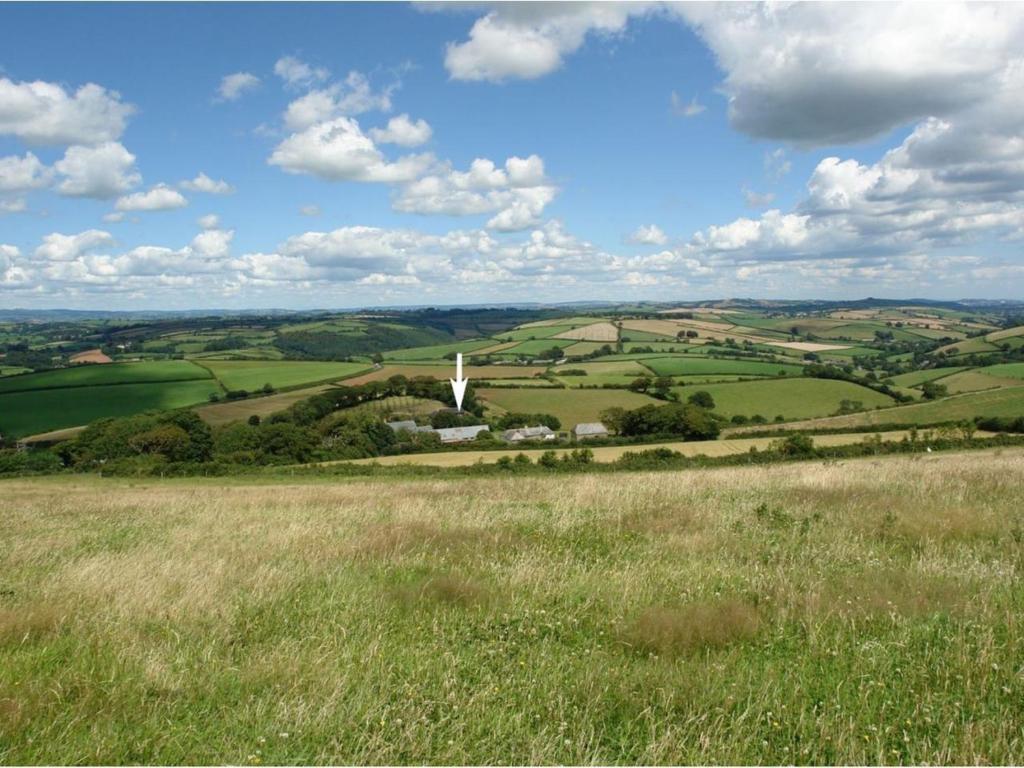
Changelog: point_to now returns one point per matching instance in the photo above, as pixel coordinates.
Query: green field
(438, 351)
(28, 413)
(680, 366)
(570, 406)
(915, 378)
(110, 373)
(855, 612)
(791, 398)
(1004, 370)
(252, 375)
(536, 347)
(1007, 402)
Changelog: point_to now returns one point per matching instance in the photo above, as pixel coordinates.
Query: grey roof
(398, 426)
(590, 428)
(454, 434)
(527, 433)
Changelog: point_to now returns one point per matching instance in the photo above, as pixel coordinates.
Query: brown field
(807, 346)
(607, 453)
(93, 356)
(448, 371)
(664, 327)
(592, 332)
(56, 436)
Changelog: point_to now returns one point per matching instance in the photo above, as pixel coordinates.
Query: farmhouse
(461, 434)
(589, 430)
(528, 433)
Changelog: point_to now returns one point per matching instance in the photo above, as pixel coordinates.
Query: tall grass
(856, 612)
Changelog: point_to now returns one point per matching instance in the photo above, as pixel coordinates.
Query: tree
(640, 384)
(254, 420)
(662, 385)
(702, 399)
(933, 390)
(612, 418)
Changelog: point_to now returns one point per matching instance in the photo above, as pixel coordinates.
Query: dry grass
(593, 332)
(844, 612)
(670, 631)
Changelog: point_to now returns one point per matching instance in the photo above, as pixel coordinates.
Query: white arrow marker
(458, 383)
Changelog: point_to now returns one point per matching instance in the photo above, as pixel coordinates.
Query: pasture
(111, 373)
(43, 410)
(680, 366)
(1007, 402)
(794, 398)
(570, 406)
(251, 375)
(862, 612)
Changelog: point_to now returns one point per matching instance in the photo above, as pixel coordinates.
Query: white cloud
(530, 40)
(203, 183)
(213, 243)
(101, 172)
(338, 150)
(354, 96)
(821, 73)
(776, 164)
(21, 174)
(648, 234)
(234, 86)
(59, 247)
(114, 217)
(682, 108)
(757, 199)
(209, 221)
(298, 73)
(310, 210)
(46, 114)
(13, 205)
(159, 198)
(516, 194)
(12, 274)
(403, 131)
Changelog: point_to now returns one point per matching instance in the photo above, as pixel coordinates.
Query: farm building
(528, 433)
(398, 426)
(461, 434)
(589, 430)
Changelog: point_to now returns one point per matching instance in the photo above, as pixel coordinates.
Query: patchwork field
(594, 332)
(447, 371)
(679, 366)
(570, 406)
(240, 410)
(596, 619)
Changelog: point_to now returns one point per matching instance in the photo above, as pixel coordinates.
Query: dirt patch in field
(93, 356)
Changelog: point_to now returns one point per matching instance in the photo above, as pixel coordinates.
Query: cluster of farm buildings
(464, 434)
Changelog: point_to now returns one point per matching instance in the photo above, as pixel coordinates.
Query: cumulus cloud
(298, 73)
(757, 199)
(818, 74)
(12, 274)
(234, 86)
(690, 108)
(530, 40)
(338, 150)
(209, 221)
(159, 198)
(60, 247)
(403, 131)
(516, 194)
(46, 114)
(21, 174)
(203, 183)
(648, 234)
(102, 172)
(354, 96)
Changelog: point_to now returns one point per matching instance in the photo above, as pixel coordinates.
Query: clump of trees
(686, 420)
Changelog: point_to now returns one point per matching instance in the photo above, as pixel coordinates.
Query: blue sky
(657, 151)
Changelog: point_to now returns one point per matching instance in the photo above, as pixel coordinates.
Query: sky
(181, 156)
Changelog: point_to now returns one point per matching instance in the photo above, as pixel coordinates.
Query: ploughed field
(845, 612)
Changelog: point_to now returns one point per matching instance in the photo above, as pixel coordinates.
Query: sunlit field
(848, 612)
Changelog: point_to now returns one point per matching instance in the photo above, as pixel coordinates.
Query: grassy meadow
(251, 375)
(828, 613)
